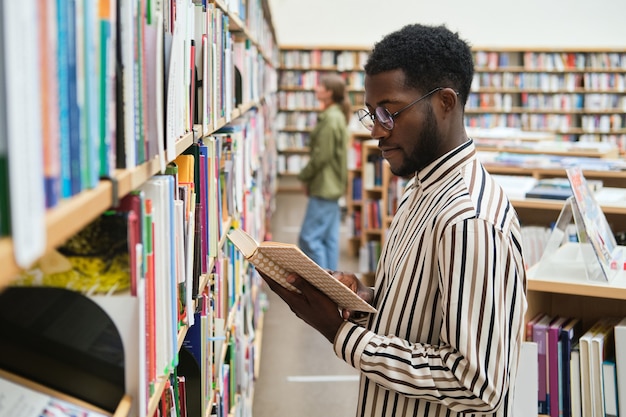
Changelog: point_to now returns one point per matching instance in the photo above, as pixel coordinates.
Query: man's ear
(449, 99)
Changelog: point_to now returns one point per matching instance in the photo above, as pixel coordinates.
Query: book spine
(63, 97)
(73, 107)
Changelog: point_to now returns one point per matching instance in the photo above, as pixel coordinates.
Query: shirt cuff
(350, 342)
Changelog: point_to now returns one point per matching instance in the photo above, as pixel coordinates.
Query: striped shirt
(450, 292)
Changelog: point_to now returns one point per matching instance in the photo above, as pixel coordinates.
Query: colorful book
(554, 364)
(540, 333)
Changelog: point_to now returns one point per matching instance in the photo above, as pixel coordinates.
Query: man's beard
(426, 149)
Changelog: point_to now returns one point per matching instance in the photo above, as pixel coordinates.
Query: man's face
(414, 140)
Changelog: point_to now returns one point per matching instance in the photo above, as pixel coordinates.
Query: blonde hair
(337, 86)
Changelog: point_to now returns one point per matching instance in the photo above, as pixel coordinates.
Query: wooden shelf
(615, 290)
(73, 214)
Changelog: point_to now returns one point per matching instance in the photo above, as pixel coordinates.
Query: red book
(150, 299)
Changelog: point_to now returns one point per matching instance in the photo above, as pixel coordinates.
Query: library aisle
(299, 375)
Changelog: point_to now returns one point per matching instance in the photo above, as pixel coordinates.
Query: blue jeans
(319, 235)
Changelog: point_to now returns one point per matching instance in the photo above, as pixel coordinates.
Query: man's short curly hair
(429, 56)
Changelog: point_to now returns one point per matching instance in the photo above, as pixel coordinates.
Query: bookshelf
(299, 73)
(574, 95)
(231, 101)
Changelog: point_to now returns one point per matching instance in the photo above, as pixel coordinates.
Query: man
(450, 283)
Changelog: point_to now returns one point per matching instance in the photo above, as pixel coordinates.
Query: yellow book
(185, 165)
(278, 260)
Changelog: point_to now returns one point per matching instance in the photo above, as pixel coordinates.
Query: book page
(278, 260)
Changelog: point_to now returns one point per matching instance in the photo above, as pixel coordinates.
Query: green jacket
(326, 174)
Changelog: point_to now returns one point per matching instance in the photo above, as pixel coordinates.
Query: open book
(278, 260)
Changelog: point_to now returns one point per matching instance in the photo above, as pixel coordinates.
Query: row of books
(581, 371)
(493, 121)
(561, 102)
(144, 261)
(549, 61)
(292, 140)
(297, 100)
(546, 161)
(291, 164)
(310, 79)
(373, 171)
(369, 253)
(124, 81)
(341, 60)
(373, 214)
(296, 120)
(547, 82)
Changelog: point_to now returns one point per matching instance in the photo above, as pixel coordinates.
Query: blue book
(91, 104)
(64, 109)
(193, 339)
(106, 97)
(73, 107)
(570, 332)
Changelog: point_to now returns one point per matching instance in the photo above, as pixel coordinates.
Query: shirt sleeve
(468, 369)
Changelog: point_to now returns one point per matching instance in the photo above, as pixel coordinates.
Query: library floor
(299, 374)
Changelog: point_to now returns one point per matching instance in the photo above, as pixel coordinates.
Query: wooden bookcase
(299, 73)
(572, 94)
(74, 213)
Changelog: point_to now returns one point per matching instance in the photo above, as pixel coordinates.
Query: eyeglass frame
(392, 116)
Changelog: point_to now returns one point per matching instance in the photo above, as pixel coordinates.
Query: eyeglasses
(383, 116)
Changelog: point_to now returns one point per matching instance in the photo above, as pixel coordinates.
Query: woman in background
(325, 175)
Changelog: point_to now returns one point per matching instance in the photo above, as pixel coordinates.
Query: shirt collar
(441, 167)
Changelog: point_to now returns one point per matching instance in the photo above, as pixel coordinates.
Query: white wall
(527, 23)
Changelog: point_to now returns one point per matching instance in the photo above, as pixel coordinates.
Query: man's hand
(351, 281)
(311, 305)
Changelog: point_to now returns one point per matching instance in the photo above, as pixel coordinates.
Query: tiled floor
(299, 375)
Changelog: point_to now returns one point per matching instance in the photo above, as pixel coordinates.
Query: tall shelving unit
(244, 28)
(573, 94)
(300, 70)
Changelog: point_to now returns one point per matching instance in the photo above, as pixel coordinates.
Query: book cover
(156, 189)
(540, 333)
(575, 383)
(596, 225)
(22, 125)
(554, 364)
(74, 110)
(135, 202)
(609, 385)
(585, 370)
(278, 260)
(106, 86)
(48, 39)
(602, 348)
(549, 192)
(525, 397)
(620, 364)
(150, 292)
(570, 332)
